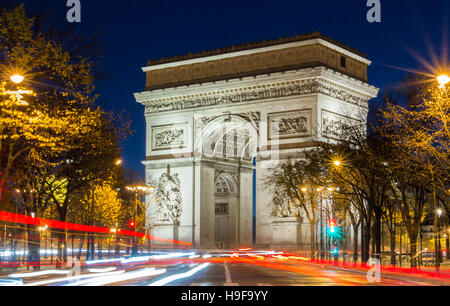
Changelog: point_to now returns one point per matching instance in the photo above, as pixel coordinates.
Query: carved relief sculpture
(169, 137)
(332, 124)
(283, 207)
(168, 199)
(290, 125)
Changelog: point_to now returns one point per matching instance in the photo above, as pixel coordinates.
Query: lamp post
(321, 222)
(439, 212)
(437, 239)
(133, 223)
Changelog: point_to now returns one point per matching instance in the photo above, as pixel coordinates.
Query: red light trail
(29, 220)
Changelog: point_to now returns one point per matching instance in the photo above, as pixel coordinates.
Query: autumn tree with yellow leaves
(54, 140)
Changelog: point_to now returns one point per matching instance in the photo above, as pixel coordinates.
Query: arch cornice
(258, 89)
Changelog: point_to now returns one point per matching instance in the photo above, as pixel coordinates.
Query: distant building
(219, 121)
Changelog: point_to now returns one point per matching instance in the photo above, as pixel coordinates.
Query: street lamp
(443, 80)
(437, 238)
(17, 78)
(137, 189)
(337, 163)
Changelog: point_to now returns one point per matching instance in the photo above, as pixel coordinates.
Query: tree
(97, 204)
(296, 192)
(60, 85)
(361, 176)
(420, 137)
(59, 134)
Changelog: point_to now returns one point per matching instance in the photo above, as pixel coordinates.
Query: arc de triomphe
(219, 121)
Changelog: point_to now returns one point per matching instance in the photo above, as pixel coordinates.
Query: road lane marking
(227, 274)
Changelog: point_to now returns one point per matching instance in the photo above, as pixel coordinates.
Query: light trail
(103, 261)
(106, 280)
(10, 282)
(135, 259)
(172, 278)
(29, 220)
(139, 259)
(102, 270)
(40, 273)
(72, 278)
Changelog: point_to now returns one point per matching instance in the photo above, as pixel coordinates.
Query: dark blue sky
(135, 31)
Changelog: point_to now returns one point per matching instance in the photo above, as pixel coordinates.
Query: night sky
(135, 31)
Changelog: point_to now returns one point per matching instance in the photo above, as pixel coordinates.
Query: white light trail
(135, 259)
(139, 258)
(40, 273)
(101, 281)
(172, 255)
(73, 278)
(10, 282)
(172, 278)
(102, 270)
(103, 261)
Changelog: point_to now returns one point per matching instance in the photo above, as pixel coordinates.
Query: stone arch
(225, 184)
(228, 137)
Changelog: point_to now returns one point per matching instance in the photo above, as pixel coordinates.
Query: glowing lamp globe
(443, 79)
(17, 78)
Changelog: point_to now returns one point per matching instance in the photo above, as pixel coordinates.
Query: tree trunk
(116, 248)
(413, 249)
(62, 249)
(100, 247)
(61, 259)
(312, 241)
(366, 237)
(377, 234)
(363, 241)
(34, 243)
(355, 244)
(80, 248)
(447, 246)
(92, 246)
(2, 189)
(392, 240)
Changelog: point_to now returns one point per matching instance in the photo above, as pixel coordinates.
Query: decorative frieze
(245, 95)
(290, 124)
(332, 124)
(169, 137)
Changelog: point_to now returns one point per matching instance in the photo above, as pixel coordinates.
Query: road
(224, 270)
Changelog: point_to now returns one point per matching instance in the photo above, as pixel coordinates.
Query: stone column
(246, 206)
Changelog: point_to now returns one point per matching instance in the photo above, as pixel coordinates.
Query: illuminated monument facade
(219, 121)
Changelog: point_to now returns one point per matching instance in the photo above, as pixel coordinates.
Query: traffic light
(131, 224)
(332, 226)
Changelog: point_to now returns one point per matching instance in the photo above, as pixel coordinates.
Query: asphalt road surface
(226, 271)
